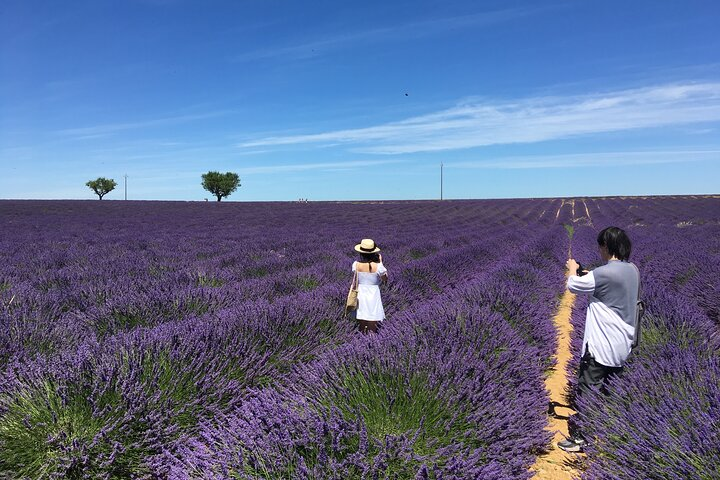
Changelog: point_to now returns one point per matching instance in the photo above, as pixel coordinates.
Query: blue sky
(331, 100)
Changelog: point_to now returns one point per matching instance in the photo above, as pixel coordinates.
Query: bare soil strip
(587, 212)
(557, 464)
(564, 202)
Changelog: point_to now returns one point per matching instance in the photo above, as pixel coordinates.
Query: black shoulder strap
(639, 295)
(639, 310)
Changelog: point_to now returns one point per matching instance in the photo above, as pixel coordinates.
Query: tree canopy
(101, 186)
(220, 184)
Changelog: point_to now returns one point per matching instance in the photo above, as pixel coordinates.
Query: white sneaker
(573, 445)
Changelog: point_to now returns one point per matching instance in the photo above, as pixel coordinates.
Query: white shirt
(610, 319)
(370, 305)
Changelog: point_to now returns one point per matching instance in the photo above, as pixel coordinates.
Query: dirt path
(587, 212)
(566, 202)
(556, 464)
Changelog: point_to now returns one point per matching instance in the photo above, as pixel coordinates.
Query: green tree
(220, 184)
(102, 186)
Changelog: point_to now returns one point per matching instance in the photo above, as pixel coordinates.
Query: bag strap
(638, 305)
(354, 283)
(639, 283)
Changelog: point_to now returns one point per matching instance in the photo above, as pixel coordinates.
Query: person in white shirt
(370, 274)
(610, 319)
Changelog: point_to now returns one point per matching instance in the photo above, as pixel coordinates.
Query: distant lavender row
(662, 418)
(72, 278)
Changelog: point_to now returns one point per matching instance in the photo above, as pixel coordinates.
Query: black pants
(590, 374)
(366, 326)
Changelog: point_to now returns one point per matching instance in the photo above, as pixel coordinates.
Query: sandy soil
(557, 464)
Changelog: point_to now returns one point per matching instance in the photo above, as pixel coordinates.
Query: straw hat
(366, 246)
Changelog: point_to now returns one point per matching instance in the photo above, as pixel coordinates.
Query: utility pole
(126, 186)
(441, 181)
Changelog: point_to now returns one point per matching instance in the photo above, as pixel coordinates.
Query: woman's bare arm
(384, 277)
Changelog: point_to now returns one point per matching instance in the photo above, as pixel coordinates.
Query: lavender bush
(451, 390)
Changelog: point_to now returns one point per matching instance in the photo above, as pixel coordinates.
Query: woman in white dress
(370, 274)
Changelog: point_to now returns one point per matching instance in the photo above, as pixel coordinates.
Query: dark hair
(617, 242)
(370, 257)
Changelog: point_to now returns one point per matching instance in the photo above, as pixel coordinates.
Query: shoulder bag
(352, 301)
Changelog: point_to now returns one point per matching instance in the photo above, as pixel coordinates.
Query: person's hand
(380, 257)
(571, 266)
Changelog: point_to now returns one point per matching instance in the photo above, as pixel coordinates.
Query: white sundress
(370, 305)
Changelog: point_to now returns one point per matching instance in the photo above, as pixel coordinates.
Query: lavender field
(207, 340)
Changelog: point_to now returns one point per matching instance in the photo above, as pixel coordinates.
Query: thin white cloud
(411, 30)
(252, 152)
(698, 131)
(603, 159)
(92, 137)
(477, 123)
(98, 130)
(300, 167)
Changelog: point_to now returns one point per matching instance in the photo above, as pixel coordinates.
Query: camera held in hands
(581, 270)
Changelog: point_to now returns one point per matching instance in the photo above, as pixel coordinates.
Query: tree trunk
(219, 197)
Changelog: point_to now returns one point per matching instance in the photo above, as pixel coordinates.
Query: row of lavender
(132, 335)
(71, 274)
(662, 418)
(450, 389)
